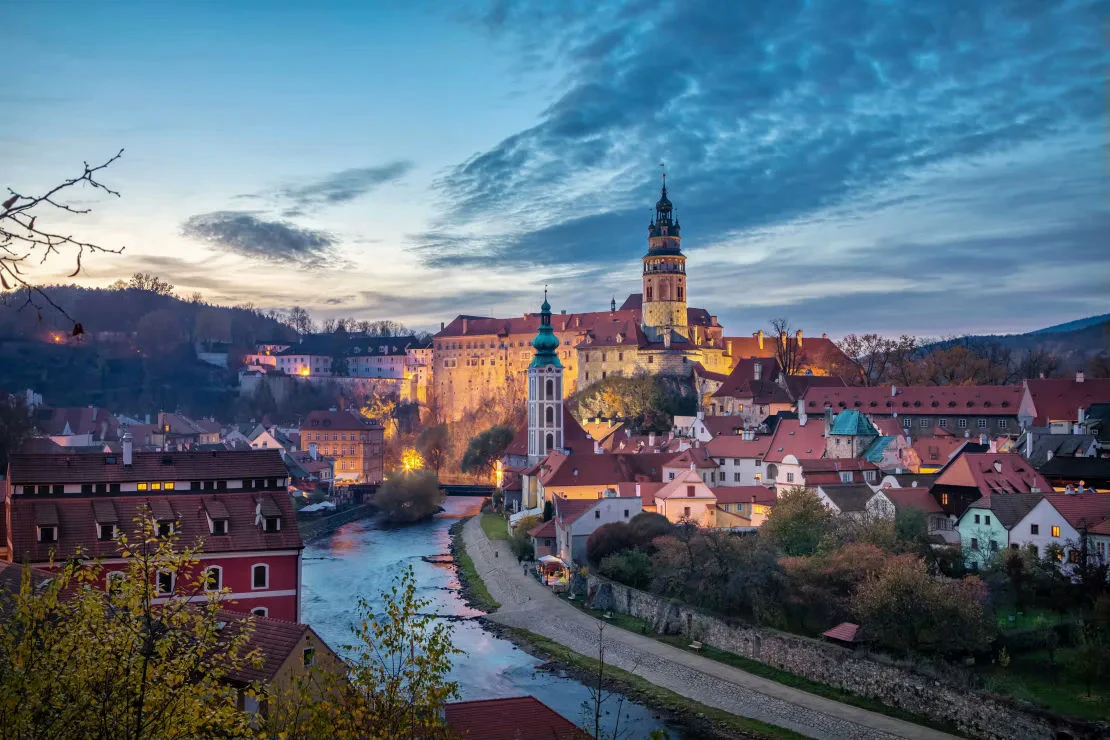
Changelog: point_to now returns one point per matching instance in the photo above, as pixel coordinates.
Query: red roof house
(518, 718)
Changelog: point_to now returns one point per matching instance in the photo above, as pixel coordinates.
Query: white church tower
(545, 391)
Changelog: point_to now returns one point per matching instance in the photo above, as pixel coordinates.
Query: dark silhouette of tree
(433, 445)
(16, 425)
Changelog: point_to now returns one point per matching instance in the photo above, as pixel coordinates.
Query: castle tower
(545, 391)
(664, 297)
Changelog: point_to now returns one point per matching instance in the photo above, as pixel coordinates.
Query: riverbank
(314, 529)
(472, 589)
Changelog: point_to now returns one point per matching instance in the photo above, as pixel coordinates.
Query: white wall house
(687, 498)
(573, 530)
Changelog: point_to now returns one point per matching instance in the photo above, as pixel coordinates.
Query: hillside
(138, 353)
(1075, 344)
(1075, 325)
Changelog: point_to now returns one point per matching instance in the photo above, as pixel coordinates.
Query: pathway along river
(362, 558)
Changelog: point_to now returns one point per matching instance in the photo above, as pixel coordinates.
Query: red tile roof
(993, 473)
(607, 469)
(648, 489)
(77, 523)
(519, 718)
(924, 400)
(1103, 528)
(568, 510)
(817, 352)
(835, 465)
(723, 425)
(547, 529)
(275, 639)
(338, 421)
(745, 495)
(1056, 399)
(844, 632)
(937, 450)
(146, 466)
(791, 438)
(739, 383)
(1081, 509)
(913, 498)
(737, 446)
(81, 420)
(695, 456)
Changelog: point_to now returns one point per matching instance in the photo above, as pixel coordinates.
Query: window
(789, 477)
(869, 476)
(165, 582)
(982, 423)
(974, 543)
(260, 611)
(1055, 531)
(48, 533)
(626, 513)
(651, 359)
(213, 578)
(944, 499)
(194, 485)
(976, 518)
(1073, 556)
(758, 462)
(142, 486)
(846, 476)
(690, 491)
(219, 526)
(1003, 423)
(670, 476)
(1034, 529)
(987, 520)
(106, 532)
(597, 514)
(735, 477)
(308, 656)
(86, 488)
(961, 423)
(272, 524)
(942, 423)
(994, 545)
(686, 512)
(260, 576)
(156, 486)
(163, 527)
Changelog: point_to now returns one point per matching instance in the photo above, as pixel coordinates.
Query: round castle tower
(664, 281)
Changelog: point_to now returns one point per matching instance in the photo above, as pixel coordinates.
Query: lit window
(142, 486)
(156, 486)
(169, 485)
(944, 499)
(1055, 531)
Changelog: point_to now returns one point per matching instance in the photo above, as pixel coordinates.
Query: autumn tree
(127, 662)
(787, 352)
(484, 450)
(409, 495)
(26, 241)
(150, 284)
(433, 445)
(382, 408)
(797, 522)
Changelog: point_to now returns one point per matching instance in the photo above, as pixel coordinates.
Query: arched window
(550, 389)
(550, 443)
(260, 576)
(549, 416)
(260, 611)
(649, 292)
(213, 578)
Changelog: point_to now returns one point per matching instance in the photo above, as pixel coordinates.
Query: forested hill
(1074, 344)
(138, 352)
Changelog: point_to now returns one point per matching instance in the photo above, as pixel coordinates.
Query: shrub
(631, 567)
(648, 525)
(409, 496)
(608, 539)
(521, 542)
(797, 523)
(821, 586)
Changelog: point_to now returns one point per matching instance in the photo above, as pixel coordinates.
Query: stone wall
(976, 714)
(314, 528)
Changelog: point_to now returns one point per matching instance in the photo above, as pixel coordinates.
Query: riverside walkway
(527, 604)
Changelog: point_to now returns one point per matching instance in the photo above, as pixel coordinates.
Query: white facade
(545, 411)
(687, 498)
(740, 471)
(1043, 526)
(570, 541)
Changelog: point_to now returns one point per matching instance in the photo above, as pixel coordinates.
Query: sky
(934, 167)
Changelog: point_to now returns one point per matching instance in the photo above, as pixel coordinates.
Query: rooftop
(947, 400)
(518, 718)
(26, 469)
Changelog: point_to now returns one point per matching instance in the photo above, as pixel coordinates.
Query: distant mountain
(1074, 325)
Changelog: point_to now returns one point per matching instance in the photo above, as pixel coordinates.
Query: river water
(362, 558)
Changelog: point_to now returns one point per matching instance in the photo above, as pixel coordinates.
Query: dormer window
(271, 524)
(218, 527)
(163, 527)
(106, 532)
(48, 533)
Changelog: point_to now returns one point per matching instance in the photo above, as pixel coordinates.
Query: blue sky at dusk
(934, 167)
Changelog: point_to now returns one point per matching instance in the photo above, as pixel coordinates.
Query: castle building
(545, 391)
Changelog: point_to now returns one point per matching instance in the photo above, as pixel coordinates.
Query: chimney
(893, 391)
(983, 438)
(713, 321)
(1028, 444)
(313, 452)
(651, 439)
(824, 335)
(441, 326)
(728, 344)
(1082, 415)
(597, 447)
(667, 338)
(464, 325)
(94, 410)
(148, 418)
(759, 338)
(828, 420)
(802, 418)
(1048, 455)
(693, 466)
(1079, 377)
(128, 449)
(637, 489)
(798, 337)
(701, 415)
(757, 370)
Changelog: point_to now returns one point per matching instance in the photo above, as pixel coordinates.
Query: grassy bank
(639, 626)
(658, 697)
(1032, 677)
(494, 525)
(474, 589)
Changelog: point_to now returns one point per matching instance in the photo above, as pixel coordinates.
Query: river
(362, 558)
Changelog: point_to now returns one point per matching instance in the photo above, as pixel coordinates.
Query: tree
(382, 408)
(1092, 655)
(150, 284)
(24, 241)
(787, 352)
(299, 321)
(520, 542)
(484, 450)
(16, 425)
(906, 609)
(548, 510)
(409, 496)
(797, 522)
(609, 539)
(433, 445)
(822, 585)
(77, 661)
(646, 526)
(630, 567)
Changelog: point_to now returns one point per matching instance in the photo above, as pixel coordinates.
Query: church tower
(664, 296)
(545, 391)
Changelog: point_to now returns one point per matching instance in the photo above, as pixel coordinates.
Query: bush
(798, 522)
(409, 496)
(520, 542)
(631, 567)
(607, 540)
(646, 526)
(907, 609)
(821, 586)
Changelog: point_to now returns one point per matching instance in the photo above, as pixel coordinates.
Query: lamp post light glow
(411, 460)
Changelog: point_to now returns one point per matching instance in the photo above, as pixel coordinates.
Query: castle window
(649, 294)
(549, 443)
(680, 293)
(549, 415)
(620, 356)
(550, 389)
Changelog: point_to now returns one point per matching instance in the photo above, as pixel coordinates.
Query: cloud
(245, 234)
(767, 112)
(341, 187)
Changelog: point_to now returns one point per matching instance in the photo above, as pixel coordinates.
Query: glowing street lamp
(411, 460)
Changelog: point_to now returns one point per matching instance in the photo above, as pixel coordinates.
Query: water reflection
(361, 559)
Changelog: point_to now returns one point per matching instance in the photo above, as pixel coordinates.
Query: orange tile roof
(1081, 509)
(991, 473)
(845, 632)
(337, 421)
(745, 495)
(695, 456)
(736, 446)
(648, 489)
(607, 469)
(547, 529)
(518, 718)
(791, 438)
(913, 498)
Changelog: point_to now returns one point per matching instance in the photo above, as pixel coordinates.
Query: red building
(235, 503)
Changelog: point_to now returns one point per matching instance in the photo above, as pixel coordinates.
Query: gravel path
(527, 604)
